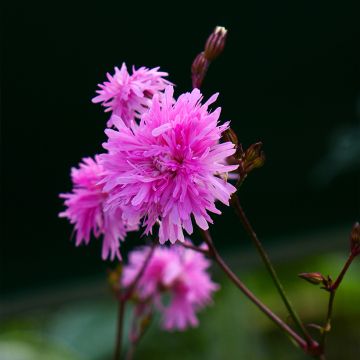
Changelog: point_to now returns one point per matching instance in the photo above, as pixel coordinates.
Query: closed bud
(200, 64)
(230, 136)
(252, 158)
(315, 278)
(258, 161)
(355, 239)
(215, 43)
(253, 152)
(198, 69)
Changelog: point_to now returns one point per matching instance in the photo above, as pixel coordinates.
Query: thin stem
(128, 293)
(265, 258)
(343, 271)
(332, 290)
(327, 326)
(136, 339)
(193, 247)
(123, 298)
(231, 275)
(119, 330)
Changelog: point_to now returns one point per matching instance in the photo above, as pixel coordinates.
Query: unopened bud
(258, 162)
(200, 64)
(315, 278)
(198, 69)
(253, 152)
(355, 239)
(229, 135)
(215, 43)
(252, 158)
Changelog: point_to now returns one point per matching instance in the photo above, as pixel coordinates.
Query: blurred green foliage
(231, 328)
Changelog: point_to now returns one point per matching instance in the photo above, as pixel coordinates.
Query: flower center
(165, 163)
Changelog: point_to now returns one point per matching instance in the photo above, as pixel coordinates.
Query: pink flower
(85, 209)
(128, 96)
(176, 271)
(169, 167)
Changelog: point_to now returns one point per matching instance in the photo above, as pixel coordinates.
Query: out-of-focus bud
(198, 70)
(253, 158)
(215, 43)
(229, 135)
(355, 239)
(315, 278)
(114, 277)
(253, 152)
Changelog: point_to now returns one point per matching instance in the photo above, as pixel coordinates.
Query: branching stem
(332, 292)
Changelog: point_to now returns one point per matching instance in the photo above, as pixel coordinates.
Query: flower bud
(198, 69)
(252, 158)
(230, 136)
(315, 278)
(253, 152)
(200, 64)
(215, 43)
(355, 239)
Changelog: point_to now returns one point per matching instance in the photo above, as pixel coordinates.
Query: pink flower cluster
(170, 167)
(178, 272)
(85, 209)
(128, 96)
(165, 169)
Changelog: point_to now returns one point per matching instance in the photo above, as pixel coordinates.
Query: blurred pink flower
(176, 271)
(85, 209)
(128, 96)
(169, 167)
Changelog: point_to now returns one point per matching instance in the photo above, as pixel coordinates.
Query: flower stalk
(265, 258)
(303, 344)
(195, 248)
(332, 289)
(119, 329)
(139, 328)
(123, 297)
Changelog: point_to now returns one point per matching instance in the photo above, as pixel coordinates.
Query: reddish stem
(348, 262)
(193, 247)
(332, 290)
(123, 298)
(231, 275)
(129, 291)
(265, 258)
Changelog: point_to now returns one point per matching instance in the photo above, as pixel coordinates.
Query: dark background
(289, 77)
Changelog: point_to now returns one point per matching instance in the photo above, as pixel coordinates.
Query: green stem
(327, 326)
(265, 258)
